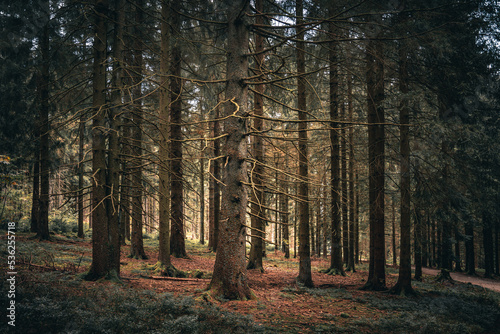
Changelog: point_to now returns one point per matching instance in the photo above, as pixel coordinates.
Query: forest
(250, 166)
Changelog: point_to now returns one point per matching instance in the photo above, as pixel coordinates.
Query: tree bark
(256, 174)
(229, 276)
(103, 244)
(137, 243)
(43, 86)
(81, 139)
(376, 157)
(305, 276)
(164, 118)
(336, 266)
(177, 236)
(403, 285)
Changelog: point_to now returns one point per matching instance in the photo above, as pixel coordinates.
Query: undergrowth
(75, 307)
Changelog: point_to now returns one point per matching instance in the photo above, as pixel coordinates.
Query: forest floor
(335, 304)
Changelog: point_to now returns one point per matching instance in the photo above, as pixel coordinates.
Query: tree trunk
(114, 116)
(344, 199)
(81, 139)
(336, 266)
(284, 214)
(202, 192)
(394, 253)
(305, 276)
(350, 261)
(214, 205)
(35, 202)
(43, 86)
(403, 285)
(488, 245)
(376, 157)
(164, 172)
(104, 249)
(229, 276)
(137, 243)
(257, 193)
(458, 264)
(177, 236)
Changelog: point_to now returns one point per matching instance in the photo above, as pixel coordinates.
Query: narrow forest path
(487, 283)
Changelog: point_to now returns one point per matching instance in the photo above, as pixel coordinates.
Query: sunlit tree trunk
(229, 276)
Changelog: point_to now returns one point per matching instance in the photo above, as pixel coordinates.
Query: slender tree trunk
(350, 262)
(376, 157)
(344, 199)
(35, 203)
(202, 192)
(497, 249)
(229, 276)
(488, 245)
(417, 244)
(114, 116)
(164, 173)
(356, 221)
(81, 139)
(403, 285)
(137, 243)
(257, 193)
(177, 237)
(458, 264)
(216, 178)
(305, 276)
(394, 253)
(43, 86)
(336, 266)
(284, 214)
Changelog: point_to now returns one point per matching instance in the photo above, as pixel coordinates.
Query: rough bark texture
(257, 193)
(214, 196)
(114, 112)
(403, 285)
(202, 192)
(343, 177)
(164, 173)
(137, 245)
(336, 266)
(305, 276)
(177, 236)
(376, 157)
(103, 244)
(229, 277)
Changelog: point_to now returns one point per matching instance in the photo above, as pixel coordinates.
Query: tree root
(333, 272)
